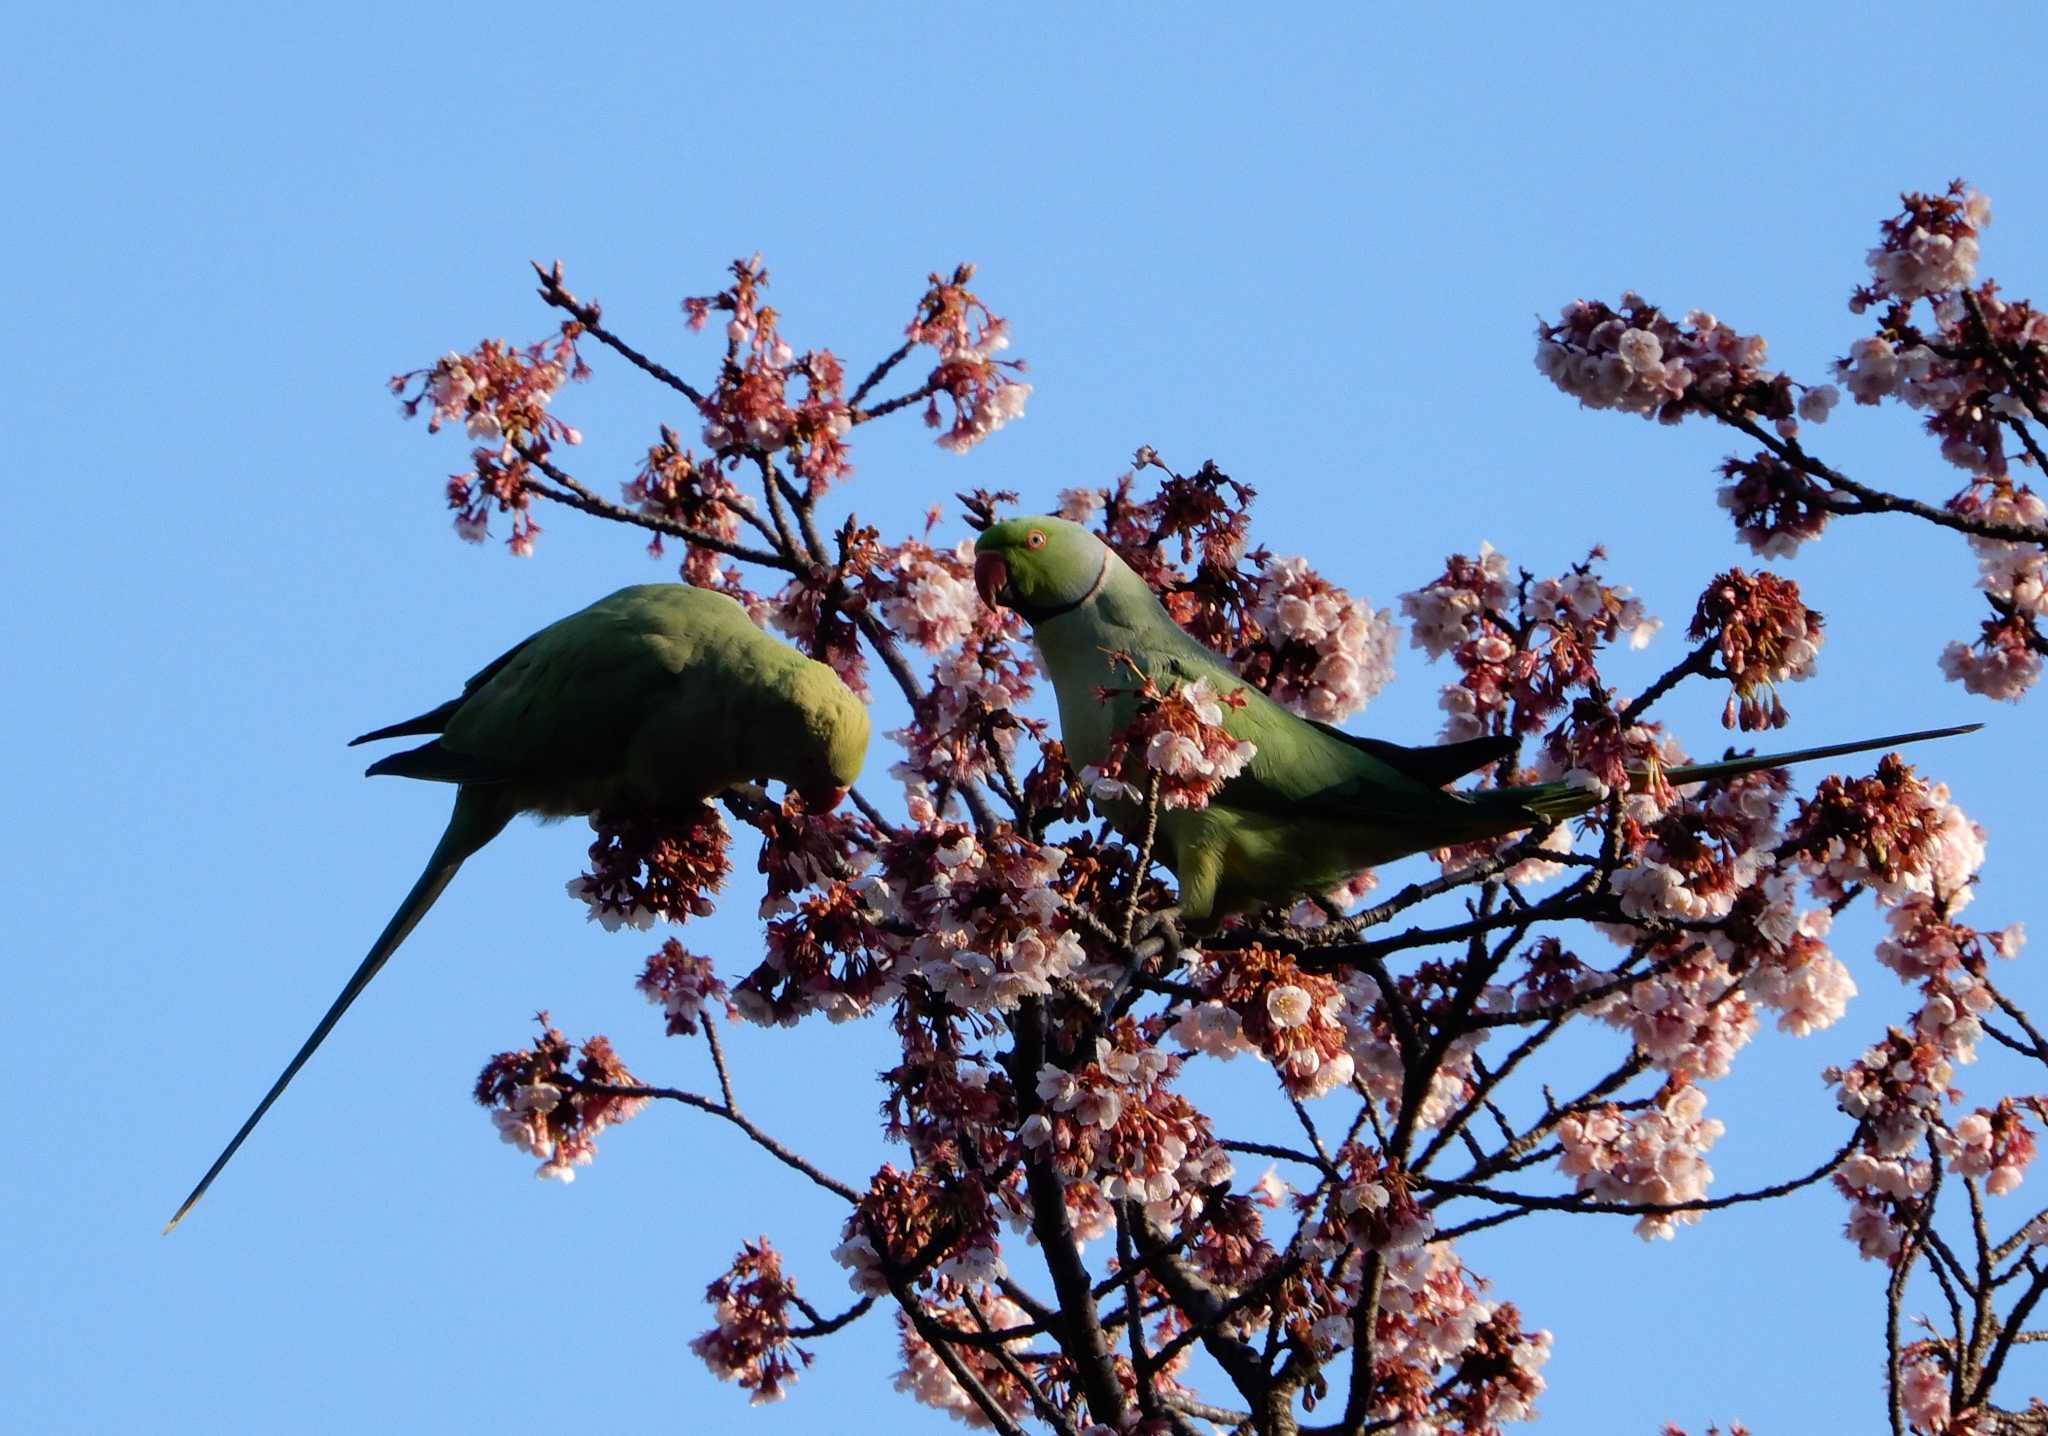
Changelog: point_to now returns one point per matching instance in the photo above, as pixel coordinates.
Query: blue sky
(1312, 250)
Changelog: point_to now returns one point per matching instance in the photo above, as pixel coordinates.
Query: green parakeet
(1314, 806)
(650, 700)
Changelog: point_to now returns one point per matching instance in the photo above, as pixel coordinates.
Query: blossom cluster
(819, 604)
(499, 393)
(983, 921)
(1175, 739)
(544, 1106)
(1111, 1120)
(1375, 1203)
(648, 866)
(977, 921)
(1190, 543)
(1928, 248)
(1992, 1144)
(1764, 635)
(1652, 1156)
(927, 1380)
(683, 985)
(1892, 832)
(2005, 660)
(1521, 647)
(1375, 1048)
(1776, 506)
(828, 954)
(673, 487)
(919, 1227)
(1925, 1391)
(753, 1306)
(1319, 652)
(801, 850)
(1260, 1001)
(752, 411)
(1952, 377)
(983, 390)
(1444, 1357)
(1714, 860)
(1636, 360)
(950, 1106)
(1690, 1019)
(1883, 1192)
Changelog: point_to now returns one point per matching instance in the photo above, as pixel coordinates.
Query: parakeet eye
(1035, 539)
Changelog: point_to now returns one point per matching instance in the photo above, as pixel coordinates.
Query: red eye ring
(1035, 539)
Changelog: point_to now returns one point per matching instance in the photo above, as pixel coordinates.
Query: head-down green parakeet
(1314, 806)
(651, 700)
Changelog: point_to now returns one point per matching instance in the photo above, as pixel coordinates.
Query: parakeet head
(822, 757)
(1040, 566)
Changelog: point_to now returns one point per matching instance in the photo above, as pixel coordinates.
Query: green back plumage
(584, 713)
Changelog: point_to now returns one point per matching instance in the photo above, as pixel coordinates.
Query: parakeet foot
(1158, 933)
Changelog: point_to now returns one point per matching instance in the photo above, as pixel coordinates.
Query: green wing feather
(1436, 766)
(436, 719)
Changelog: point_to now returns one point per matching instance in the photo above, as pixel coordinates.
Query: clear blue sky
(1313, 251)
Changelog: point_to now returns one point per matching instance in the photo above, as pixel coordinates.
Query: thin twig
(825, 1326)
(553, 291)
(759, 1138)
(1531, 1201)
(572, 494)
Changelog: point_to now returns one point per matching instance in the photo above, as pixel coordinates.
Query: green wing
(569, 701)
(1309, 770)
(436, 719)
(1436, 766)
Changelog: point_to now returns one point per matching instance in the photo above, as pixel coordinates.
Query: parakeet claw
(1158, 934)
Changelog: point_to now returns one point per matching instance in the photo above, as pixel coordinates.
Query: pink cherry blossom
(1652, 1157)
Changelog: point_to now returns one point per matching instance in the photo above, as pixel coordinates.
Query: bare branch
(588, 315)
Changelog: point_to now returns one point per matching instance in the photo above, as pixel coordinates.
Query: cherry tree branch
(588, 315)
(754, 1134)
(1578, 1202)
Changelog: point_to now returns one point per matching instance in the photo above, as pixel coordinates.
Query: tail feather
(434, 720)
(1555, 801)
(472, 825)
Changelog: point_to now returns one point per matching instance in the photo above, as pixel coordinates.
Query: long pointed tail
(468, 829)
(1557, 800)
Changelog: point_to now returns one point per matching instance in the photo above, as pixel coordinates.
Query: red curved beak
(991, 575)
(822, 800)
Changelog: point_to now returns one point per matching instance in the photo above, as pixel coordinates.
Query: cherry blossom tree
(1055, 1227)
